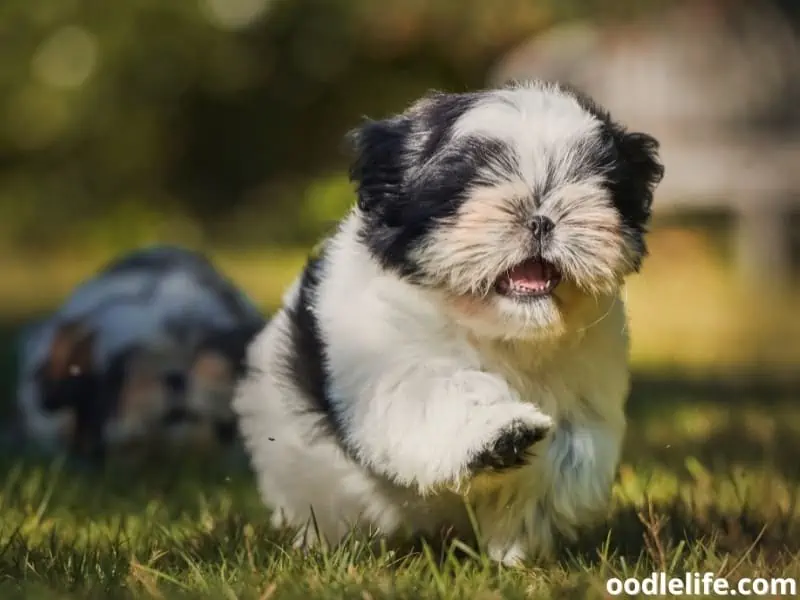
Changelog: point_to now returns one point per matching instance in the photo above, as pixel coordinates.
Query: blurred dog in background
(144, 354)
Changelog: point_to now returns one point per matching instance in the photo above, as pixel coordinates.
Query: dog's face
(178, 393)
(150, 397)
(148, 383)
(524, 207)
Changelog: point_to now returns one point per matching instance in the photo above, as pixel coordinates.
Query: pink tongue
(529, 275)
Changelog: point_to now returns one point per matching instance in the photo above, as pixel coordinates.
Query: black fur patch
(399, 211)
(306, 363)
(68, 391)
(435, 196)
(439, 116)
(411, 176)
(84, 396)
(379, 167)
(630, 164)
(116, 371)
(512, 448)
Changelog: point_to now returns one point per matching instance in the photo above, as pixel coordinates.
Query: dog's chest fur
(580, 379)
(582, 385)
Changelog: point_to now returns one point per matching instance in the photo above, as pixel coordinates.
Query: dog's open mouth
(532, 278)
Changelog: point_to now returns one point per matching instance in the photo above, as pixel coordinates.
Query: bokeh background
(218, 124)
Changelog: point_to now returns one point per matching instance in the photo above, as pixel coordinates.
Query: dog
(145, 353)
(455, 358)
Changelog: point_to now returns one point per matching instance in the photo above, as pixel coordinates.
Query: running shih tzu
(140, 358)
(458, 348)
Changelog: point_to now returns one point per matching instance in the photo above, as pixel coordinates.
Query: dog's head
(164, 394)
(524, 207)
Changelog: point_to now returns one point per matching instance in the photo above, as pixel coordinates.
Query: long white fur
(421, 398)
(423, 381)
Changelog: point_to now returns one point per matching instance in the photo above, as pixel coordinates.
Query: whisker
(601, 318)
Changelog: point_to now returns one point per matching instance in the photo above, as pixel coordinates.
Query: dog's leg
(513, 555)
(435, 430)
(579, 468)
(570, 488)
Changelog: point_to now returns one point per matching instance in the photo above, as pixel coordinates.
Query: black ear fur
(71, 352)
(640, 151)
(382, 149)
(378, 166)
(637, 172)
(638, 169)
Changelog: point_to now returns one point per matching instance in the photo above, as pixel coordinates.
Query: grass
(704, 486)
(709, 479)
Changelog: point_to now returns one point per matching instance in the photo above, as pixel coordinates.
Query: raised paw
(511, 448)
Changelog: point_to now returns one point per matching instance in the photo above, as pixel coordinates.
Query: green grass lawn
(710, 479)
(709, 482)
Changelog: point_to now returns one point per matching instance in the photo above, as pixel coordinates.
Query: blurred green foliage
(126, 121)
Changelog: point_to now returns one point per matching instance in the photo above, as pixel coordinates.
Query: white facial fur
(553, 138)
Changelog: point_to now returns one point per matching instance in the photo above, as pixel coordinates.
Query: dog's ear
(377, 169)
(639, 152)
(71, 352)
(70, 359)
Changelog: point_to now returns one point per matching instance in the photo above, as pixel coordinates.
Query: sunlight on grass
(76, 534)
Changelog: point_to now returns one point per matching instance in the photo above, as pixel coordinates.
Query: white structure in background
(719, 89)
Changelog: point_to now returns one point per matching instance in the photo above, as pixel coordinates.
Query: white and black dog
(460, 340)
(145, 352)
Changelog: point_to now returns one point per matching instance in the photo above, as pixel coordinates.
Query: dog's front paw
(511, 447)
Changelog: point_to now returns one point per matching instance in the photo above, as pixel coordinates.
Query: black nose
(540, 226)
(175, 382)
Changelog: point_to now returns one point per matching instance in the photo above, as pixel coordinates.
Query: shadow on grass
(749, 421)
